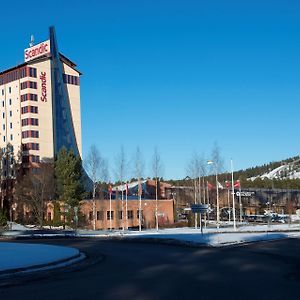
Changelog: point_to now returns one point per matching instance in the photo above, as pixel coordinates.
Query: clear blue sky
(179, 75)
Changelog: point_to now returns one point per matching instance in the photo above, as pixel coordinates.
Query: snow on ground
(223, 236)
(17, 255)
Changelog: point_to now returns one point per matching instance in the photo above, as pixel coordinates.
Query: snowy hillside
(286, 171)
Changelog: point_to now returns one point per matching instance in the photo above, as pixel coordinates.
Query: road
(127, 270)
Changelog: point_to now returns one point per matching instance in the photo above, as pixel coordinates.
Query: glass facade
(63, 128)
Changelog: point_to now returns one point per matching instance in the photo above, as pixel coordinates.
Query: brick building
(165, 213)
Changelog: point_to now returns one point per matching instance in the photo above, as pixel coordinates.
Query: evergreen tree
(68, 173)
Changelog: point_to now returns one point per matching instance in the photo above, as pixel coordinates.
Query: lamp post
(210, 162)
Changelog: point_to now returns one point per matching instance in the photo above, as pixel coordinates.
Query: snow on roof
(131, 185)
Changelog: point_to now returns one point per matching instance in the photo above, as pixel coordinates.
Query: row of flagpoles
(140, 191)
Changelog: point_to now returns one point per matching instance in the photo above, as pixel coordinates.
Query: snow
(274, 173)
(223, 236)
(18, 255)
(130, 185)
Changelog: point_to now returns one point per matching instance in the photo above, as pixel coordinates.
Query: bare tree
(36, 188)
(157, 169)
(94, 164)
(193, 171)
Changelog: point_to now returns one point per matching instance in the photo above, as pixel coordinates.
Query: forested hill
(284, 174)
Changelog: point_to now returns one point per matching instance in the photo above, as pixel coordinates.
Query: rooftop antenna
(31, 44)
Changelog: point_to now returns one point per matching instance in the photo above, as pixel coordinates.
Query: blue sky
(179, 75)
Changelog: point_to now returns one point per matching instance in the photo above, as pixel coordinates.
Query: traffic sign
(200, 208)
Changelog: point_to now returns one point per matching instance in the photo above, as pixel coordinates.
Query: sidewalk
(18, 258)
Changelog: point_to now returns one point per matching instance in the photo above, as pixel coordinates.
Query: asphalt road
(127, 270)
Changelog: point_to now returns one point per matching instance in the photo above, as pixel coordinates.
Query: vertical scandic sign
(37, 51)
(43, 86)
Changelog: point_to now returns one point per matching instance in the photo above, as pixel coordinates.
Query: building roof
(62, 57)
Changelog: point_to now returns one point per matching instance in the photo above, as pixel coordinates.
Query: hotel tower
(40, 104)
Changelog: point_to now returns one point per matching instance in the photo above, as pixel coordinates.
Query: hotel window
(4, 138)
(9, 101)
(130, 214)
(35, 158)
(3, 126)
(11, 137)
(10, 125)
(100, 215)
(32, 72)
(10, 113)
(110, 215)
(2, 103)
(9, 89)
(3, 115)
(2, 92)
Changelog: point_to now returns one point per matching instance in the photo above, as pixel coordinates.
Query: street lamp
(211, 162)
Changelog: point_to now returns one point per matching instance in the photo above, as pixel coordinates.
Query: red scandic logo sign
(43, 87)
(37, 50)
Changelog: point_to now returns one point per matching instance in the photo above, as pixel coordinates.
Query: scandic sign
(43, 86)
(37, 51)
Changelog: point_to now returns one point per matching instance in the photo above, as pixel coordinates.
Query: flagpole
(126, 206)
(240, 200)
(195, 195)
(156, 204)
(228, 199)
(140, 205)
(207, 199)
(233, 202)
(110, 191)
(122, 205)
(218, 204)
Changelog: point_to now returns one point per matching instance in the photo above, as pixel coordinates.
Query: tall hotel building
(40, 104)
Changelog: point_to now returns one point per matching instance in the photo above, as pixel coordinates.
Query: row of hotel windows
(30, 134)
(27, 109)
(30, 121)
(28, 84)
(26, 97)
(31, 158)
(31, 146)
(17, 74)
(10, 114)
(110, 215)
(3, 103)
(11, 138)
(10, 126)
(70, 79)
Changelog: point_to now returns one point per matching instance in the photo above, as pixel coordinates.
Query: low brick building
(165, 213)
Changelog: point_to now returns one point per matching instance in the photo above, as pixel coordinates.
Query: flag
(126, 188)
(219, 185)
(209, 186)
(237, 184)
(227, 183)
(110, 189)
